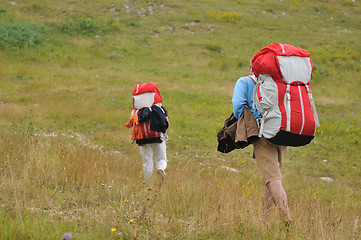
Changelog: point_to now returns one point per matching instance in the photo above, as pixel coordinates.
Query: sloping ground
(67, 165)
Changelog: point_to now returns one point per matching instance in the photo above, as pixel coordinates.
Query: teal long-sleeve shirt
(242, 96)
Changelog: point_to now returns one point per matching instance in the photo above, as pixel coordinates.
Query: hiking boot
(161, 174)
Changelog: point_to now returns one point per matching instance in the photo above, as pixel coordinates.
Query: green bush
(3, 11)
(88, 26)
(83, 26)
(21, 34)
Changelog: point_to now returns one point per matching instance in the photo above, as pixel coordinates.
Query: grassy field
(67, 164)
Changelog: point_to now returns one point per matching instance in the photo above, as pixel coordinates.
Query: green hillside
(67, 71)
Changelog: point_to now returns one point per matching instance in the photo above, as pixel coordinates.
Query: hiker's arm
(239, 99)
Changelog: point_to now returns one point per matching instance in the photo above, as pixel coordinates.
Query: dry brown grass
(77, 187)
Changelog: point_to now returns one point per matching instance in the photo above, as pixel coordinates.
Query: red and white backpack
(145, 95)
(283, 95)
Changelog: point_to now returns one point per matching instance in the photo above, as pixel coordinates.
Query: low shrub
(87, 26)
(21, 34)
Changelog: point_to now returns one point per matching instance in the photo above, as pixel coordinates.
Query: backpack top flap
(283, 62)
(146, 95)
(295, 69)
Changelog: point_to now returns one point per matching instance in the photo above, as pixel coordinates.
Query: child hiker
(150, 123)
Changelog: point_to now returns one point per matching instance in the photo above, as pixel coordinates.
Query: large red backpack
(145, 95)
(283, 95)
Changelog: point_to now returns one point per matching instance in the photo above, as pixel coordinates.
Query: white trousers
(147, 151)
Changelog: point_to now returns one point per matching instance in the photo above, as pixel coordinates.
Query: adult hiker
(279, 96)
(268, 156)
